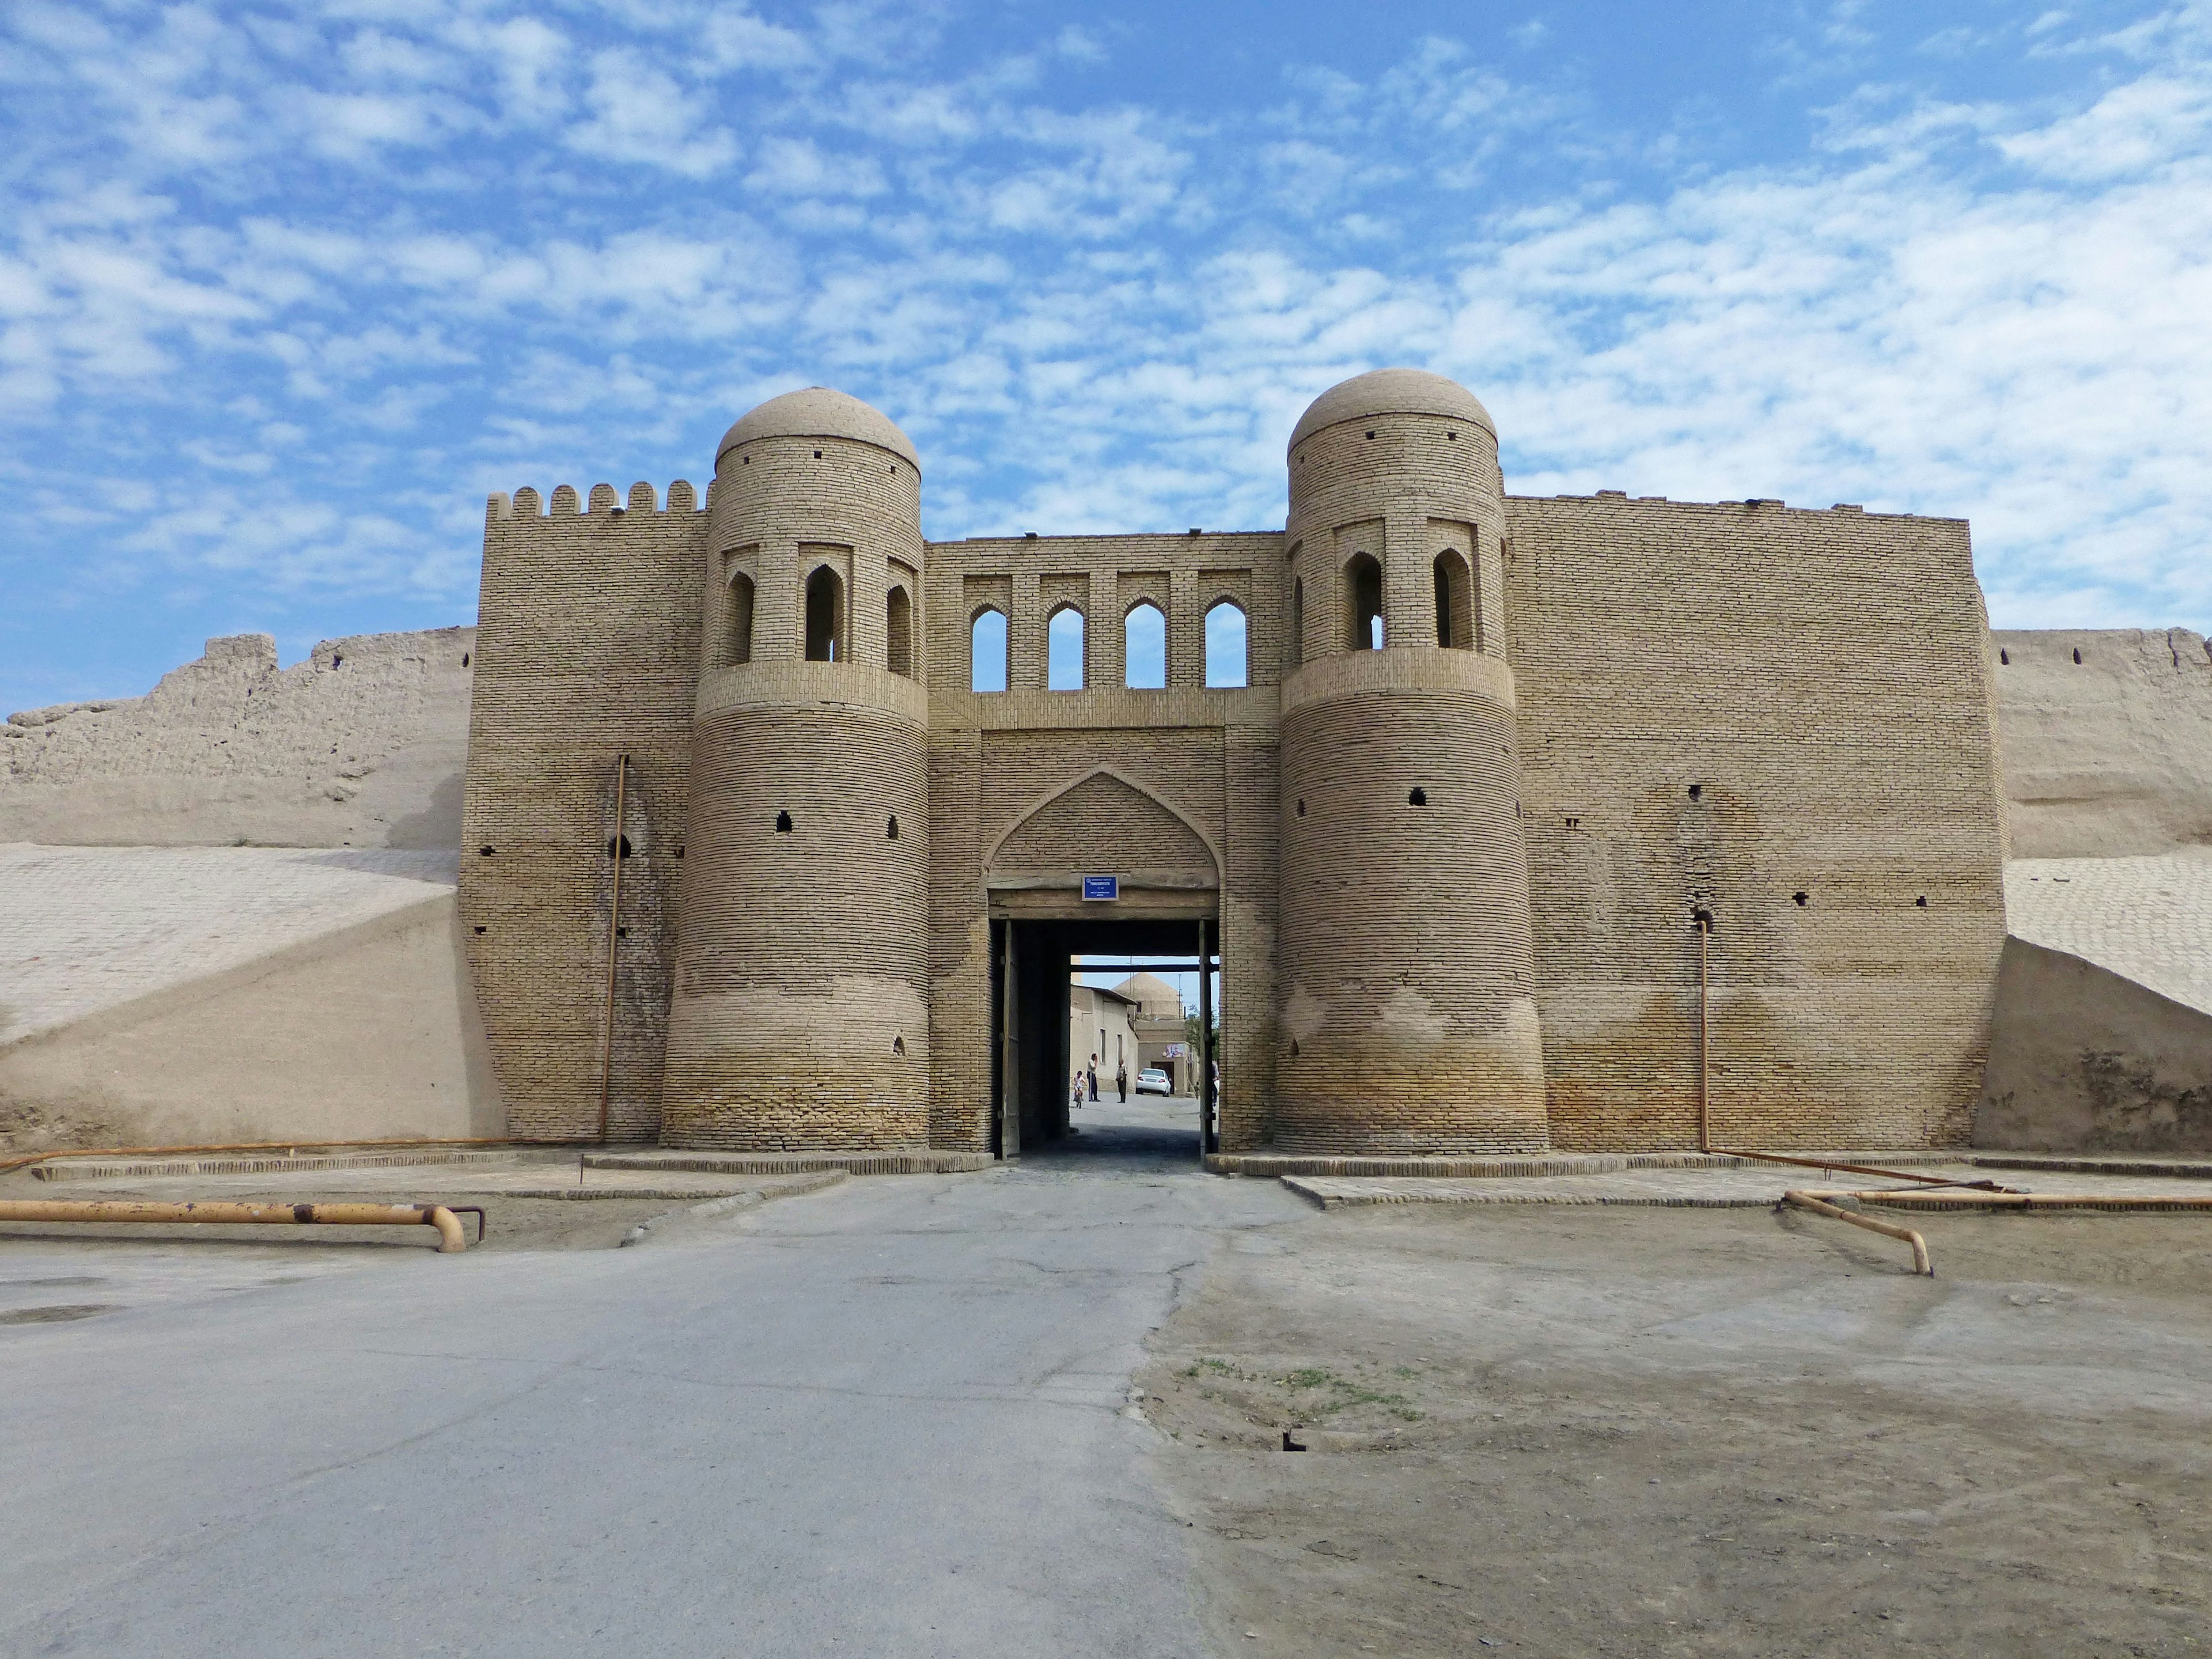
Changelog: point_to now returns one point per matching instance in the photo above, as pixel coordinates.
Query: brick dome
(820, 412)
(1391, 392)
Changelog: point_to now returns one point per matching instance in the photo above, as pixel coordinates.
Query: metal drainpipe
(1705, 1035)
(1703, 919)
(614, 933)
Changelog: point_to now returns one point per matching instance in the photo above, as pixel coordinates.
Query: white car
(1153, 1081)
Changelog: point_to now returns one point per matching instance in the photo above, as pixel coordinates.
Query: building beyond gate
(1498, 763)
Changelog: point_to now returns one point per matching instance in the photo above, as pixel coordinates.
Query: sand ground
(1582, 1431)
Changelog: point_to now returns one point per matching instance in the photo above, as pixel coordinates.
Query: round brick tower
(799, 1019)
(1406, 966)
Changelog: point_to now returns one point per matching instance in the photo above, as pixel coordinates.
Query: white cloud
(640, 114)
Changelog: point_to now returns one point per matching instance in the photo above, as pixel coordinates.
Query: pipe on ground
(1821, 1207)
(450, 1239)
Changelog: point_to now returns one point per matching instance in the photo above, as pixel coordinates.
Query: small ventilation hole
(2077, 655)
(339, 662)
(1454, 436)
(1370, 434)
(783, 824)
(1302, 812)
(679, 852)
(1294, 1041)
(464, 659)
(1574, 823)
(898, 1047)
(890, 833)
(624, 843)
(1922, 900)
(817, 454)
(1799, 899)
(479, 930)
(1697, 792)
(622, 933)
(1419, 797)
(2004, 658)
(484, 852)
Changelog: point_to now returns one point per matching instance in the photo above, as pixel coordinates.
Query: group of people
(1087, 1078)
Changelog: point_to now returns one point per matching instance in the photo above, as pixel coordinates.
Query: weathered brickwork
(1723, 708)
(1492, 762)
(587, 652)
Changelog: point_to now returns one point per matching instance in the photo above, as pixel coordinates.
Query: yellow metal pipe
(1821, 1207)
(450, 1239)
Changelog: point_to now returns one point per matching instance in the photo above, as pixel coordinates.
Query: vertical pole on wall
(1009, 1098)
(614, 933)
(1704, 1036)
(1207, 1140)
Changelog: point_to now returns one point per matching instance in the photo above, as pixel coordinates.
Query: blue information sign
(1101, 887)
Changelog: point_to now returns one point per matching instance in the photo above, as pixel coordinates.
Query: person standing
(1092, 1071)
(1121, 1081)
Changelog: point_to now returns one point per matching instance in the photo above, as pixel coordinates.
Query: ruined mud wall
(1784, 719)
(589, 649)
(2087, 1061)
(2106, 740)
(363, 744)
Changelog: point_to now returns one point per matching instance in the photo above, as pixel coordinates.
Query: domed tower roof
(1159, 998)
(1391, 392)
(819, 412)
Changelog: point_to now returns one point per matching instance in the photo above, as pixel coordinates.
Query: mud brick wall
(1782, 718)
(588, 649)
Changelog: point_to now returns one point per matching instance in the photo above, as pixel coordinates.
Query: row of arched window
(827, 638)
(1143, 647)
(1362, 628)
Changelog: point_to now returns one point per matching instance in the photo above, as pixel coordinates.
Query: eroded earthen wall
(2106, 736)
(1781, 718)
(362, 744)
(588, 650)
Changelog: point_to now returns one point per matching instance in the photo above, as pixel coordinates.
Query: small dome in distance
(1391, 392)
(819, 412)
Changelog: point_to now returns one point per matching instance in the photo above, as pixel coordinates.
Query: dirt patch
(1663, 1432)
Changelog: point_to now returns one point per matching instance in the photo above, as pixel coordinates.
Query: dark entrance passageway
(1032, 962)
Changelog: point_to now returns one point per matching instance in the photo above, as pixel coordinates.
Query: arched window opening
(1454, 603)
(1145, 648)
(1225, 657)
(987, 651)
(898, 633)
(741, 619)
(1063, 650)
(825, 615)
(1362, 604)
(1297, 642)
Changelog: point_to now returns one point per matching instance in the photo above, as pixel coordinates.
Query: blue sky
(283, 293)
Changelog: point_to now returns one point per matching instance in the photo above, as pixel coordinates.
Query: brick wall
(1727, 706)
(588, 649)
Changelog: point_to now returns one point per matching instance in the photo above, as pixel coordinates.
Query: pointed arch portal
(1164, 916)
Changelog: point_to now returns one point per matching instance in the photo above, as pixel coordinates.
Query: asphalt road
(886, 1419)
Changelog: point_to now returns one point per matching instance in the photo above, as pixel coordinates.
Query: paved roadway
(887, 1420)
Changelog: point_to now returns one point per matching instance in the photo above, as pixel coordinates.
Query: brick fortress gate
(748, 864)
